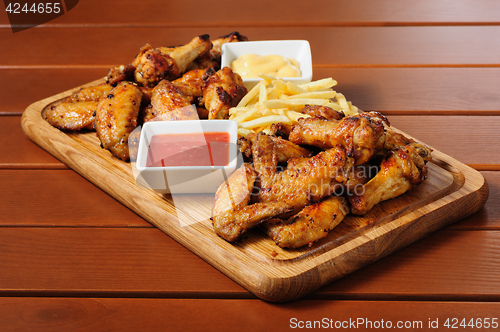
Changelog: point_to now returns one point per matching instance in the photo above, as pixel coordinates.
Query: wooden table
(73, 258)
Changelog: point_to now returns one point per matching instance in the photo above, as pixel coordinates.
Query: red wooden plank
(453, 135)
(59, 198)
(261, 12)
(392, 90)
(334, 46)
(103, 314)
(22, 87)
(121, 262)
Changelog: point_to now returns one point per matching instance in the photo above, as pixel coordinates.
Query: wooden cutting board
(451, 192)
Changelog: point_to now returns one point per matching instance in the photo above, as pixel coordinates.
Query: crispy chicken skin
(151, 66)
(324, 112)
(212, 59)
(116, 118)
(362, 135)
(166, 98)
(281, 130)
(231, 214)
(223, 90)
(304, 181)
(120, 73)
(311, 224)
(72, 115)
(284, 149)
(93, 93)
(401, 170)
(192, 84)
(155, 64)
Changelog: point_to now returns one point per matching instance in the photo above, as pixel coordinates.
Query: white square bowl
(184, 179)
(299, 50)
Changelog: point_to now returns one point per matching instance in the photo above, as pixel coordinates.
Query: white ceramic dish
(300, 50)
(184, 179)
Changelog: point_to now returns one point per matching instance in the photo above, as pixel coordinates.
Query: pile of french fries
(273, 100)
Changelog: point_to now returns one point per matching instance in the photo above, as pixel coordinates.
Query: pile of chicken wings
(297, 183)
(300, 182)
(158, 84)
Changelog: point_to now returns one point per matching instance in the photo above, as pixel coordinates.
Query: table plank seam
(269, 24)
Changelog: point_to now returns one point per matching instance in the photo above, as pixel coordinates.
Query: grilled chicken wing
(322, 112)
(77, 111)
(166, 98)
(231, 214)
(304, 181)
(309, 225)
(120, 73)
(116, 118)
(192, 84)
(93, 93)
(362, 135)
(155, 64)
(223, 90)
(284, 149)
(72, 115)
(212, 59)
(401, 170)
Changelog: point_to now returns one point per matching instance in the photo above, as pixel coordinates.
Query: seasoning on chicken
(92, 93)
(401, 170)
(324, 112)
(284, 149)
(166, 98)
(116, 118)
(311, 224)
(362, 135)
(120, 73)
(223, 90)
(304, 181)
(212, 59)
(155, 64)
(72, 115)
(231, 214)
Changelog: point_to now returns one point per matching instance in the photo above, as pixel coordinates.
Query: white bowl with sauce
(174, 156)
(299, 50)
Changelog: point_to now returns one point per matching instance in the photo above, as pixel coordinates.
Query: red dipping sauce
(194, 149)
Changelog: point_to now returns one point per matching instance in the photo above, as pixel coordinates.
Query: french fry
(266, 121)
(244, 132)
(325, 94)
(294, 89)
(322, 84)
(274, 101)
(250, 94)
(262, 93)
(295, 116)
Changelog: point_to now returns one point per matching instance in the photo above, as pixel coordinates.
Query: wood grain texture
(422, 91)
(463, 91)
(452, 192)
(93, 208)
(21, 87)
(398, 274)
(112, 261)
(18, 152)
(323, 13)
(333, 46)
(59, 198)
(489, 216)
(144, 262)
(102, 314)
(453, 135)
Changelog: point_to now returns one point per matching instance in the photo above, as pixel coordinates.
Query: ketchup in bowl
(193, 149)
